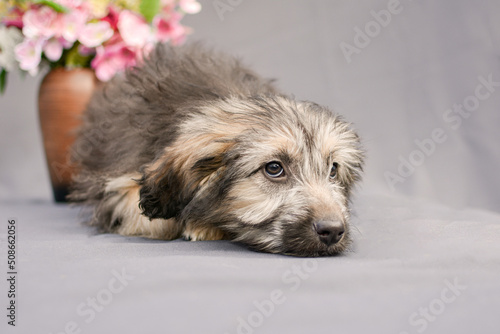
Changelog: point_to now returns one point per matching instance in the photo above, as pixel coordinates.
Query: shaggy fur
(179, 148)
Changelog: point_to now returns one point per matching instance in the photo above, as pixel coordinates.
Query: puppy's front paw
(202, 233)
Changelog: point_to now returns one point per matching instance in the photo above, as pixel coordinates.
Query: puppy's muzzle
(329, 232)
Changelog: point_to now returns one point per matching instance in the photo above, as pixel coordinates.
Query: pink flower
(133, 29)
(168, 6)
(72, 4)
(73, 24)
(13, 19)
(112, 59)
(66, 44)
(190, 6)
(169, 29)
(143, 52)
(85, 51)
(94, 34)
(42, 21)
(29, 55)
(112, 17)
(53, 49)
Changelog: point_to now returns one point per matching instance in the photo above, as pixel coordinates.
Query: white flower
(95, 33)
(9, 38)
(29, 55)
(190, 6)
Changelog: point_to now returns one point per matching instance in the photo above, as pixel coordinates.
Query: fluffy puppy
(193, 144)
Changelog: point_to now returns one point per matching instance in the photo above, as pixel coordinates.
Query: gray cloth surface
(396, 91)
(407, 253)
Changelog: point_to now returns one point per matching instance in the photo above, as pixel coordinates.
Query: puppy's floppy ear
(160, 194)
(351, 159)
(172, 181)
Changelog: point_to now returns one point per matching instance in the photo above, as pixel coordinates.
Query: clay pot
(62, 98)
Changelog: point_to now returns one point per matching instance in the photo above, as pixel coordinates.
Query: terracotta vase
(62, 98)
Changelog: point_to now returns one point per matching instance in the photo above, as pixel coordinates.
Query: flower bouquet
(105, 35)
(82, 42)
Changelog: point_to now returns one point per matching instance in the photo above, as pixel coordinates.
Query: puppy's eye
(274, 169)
(333, 171)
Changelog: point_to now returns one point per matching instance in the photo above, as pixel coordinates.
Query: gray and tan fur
(182, 146)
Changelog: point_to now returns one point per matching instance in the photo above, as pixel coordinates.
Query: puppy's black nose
(329, 231)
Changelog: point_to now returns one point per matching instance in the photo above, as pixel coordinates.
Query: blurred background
(419, 80)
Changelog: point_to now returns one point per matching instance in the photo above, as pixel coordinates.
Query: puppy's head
(272, 173)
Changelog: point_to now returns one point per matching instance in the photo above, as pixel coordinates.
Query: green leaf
(75, 59)
(149, 8)
(54, 5)
(3, 80)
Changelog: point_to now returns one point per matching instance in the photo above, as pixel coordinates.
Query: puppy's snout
(329, 231)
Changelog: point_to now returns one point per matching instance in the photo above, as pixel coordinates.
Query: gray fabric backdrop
(400, 70)
(410, 256)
